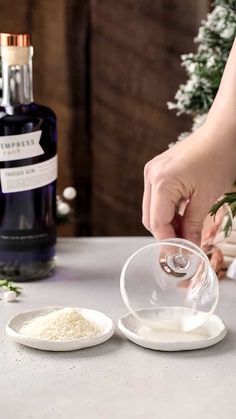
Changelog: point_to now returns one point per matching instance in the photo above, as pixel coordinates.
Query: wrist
(222, 130)
(218, 148)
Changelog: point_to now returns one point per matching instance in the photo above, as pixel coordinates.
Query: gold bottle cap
(14, 39)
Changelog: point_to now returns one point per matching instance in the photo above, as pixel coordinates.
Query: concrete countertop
(116, 380)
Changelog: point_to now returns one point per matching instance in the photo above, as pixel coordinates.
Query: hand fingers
(162, 213)
(193, 219)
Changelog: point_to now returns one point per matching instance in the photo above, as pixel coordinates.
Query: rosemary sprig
(7, 285)
(230, 200)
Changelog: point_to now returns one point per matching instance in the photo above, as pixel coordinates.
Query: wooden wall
(59, 31)
(135, 68)
(107, 68)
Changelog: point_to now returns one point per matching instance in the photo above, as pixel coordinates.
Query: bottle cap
(15, 48)
(14, 39)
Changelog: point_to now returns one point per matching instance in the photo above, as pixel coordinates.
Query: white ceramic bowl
(212, 332)
(100, 319)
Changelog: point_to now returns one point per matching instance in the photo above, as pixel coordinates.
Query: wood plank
(135, 56)
(59, 34)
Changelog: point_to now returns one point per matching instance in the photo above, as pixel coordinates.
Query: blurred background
(107, 69)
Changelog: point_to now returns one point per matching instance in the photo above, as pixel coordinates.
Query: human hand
(195, 172)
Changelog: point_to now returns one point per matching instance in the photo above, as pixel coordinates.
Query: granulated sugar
(66, 324)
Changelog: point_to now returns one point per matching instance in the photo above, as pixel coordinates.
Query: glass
(170, 285)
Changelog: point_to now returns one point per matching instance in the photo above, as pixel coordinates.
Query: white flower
(211, 62)
(219, 11)
(182, 136)
(216, 20)
(191, 84)
(198, 121)
(189, 65)
(171, 105)
(220, 26)
(187, 56)
(219, 14)
(227, 32)
(192, 67)
(201, 34)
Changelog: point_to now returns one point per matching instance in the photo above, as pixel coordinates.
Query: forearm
(222, 115)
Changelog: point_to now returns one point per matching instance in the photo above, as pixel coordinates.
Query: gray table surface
(116, 379)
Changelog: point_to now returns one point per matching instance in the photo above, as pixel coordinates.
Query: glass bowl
(170, 284)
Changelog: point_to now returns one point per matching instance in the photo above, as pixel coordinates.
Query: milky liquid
(162, 335)
(175, 319)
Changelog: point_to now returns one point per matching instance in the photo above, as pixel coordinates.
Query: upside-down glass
(170, 284)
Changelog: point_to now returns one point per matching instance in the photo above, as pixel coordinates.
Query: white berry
(9, 295)
(69, 193)
(63, 208)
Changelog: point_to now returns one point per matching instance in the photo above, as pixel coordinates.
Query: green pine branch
(7, 285)
(228, 199)
(205, 67)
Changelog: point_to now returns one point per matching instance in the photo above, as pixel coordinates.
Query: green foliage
(206, 66)
(204, 69)
(7, 285)
(228, 199)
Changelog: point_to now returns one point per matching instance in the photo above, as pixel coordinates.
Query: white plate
(101, 320)
(209, 334)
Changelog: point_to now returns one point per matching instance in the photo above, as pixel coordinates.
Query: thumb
(193, 219)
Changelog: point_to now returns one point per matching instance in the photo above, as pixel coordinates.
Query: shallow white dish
(212, 332)
(101, 320)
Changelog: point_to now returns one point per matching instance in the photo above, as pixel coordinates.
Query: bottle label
(22, 146)
(25, 178)
(23, 240)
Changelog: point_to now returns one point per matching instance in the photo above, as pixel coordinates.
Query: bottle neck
(17, 86)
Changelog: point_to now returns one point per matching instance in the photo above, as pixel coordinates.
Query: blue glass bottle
(28, 169)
